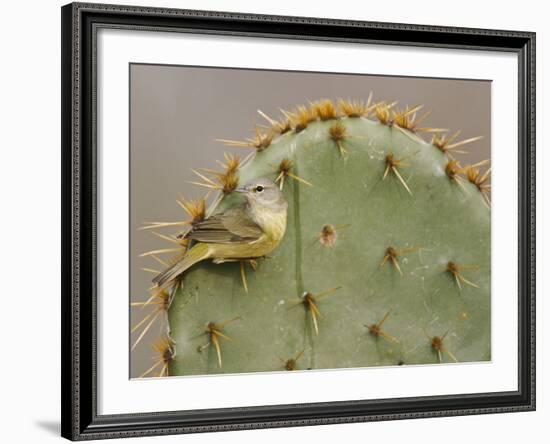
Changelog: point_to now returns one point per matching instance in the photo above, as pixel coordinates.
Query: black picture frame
(80, 22)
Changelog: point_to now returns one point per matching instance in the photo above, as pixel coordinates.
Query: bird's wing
(234, 225)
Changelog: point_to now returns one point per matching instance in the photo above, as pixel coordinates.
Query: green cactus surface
(385, 259)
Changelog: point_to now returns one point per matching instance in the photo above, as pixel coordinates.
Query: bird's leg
(221, 260)
(252, 261)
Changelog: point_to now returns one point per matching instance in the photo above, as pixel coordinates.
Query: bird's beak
(239, 190)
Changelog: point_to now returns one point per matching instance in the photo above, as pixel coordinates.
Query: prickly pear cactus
(385, 260)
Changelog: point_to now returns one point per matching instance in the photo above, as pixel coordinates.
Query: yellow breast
(273, 223)
(273, 226)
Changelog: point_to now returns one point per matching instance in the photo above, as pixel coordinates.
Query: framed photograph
(278, 221)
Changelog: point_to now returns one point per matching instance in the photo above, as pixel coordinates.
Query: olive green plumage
(385, 259)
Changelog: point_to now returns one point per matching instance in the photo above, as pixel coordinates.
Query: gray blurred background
(177, 112)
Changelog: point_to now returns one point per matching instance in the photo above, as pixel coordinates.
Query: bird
(247, 231)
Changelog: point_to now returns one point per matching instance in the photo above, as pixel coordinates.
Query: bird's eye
(259, 188)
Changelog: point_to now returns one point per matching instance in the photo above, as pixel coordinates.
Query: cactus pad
(385, 260)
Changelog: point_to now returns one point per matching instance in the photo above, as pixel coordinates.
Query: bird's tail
(196, 254)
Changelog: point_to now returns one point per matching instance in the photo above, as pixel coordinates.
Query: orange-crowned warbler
(246, 231)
